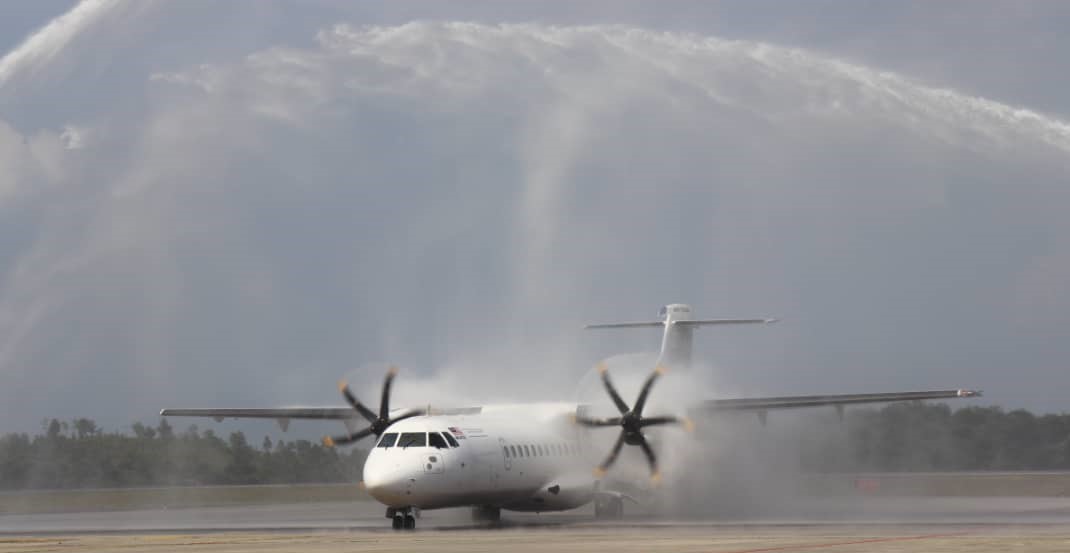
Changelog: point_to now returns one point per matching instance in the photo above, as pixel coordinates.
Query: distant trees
(933, 437)
(899, 437)
(79, 455)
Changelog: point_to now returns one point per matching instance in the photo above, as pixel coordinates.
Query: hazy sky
(234, 204)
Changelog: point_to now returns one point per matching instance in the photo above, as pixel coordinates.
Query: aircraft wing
(316, 413)
(839, 400)
(282, 415)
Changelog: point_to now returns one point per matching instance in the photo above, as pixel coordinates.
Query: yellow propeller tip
(328, 441)
(342, 384)
(655, 478)
(392, 370)
(601, 368)
(362, 485)
(599, 472)
(661, 369)
(689, 425)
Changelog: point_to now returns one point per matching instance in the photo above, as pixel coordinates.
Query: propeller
(631, 422)
(378, 422)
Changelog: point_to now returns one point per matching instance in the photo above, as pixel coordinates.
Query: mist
(244, 224)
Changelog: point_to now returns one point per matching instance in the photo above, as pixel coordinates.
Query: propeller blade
(647, 386)
(658, 421)
(611, 421)
(601, 470)
(611, 390)
(353, 402)
(330, 441)
(403, 416)
(384, 401)
(651, 459)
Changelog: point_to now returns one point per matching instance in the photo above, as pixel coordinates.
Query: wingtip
(772, 320)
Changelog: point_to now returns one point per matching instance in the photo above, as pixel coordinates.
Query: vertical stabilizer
(678, 327)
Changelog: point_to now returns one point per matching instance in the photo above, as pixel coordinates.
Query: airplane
(533, 457)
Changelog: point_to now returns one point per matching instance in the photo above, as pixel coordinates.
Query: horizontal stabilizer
(725, 322)
(650, 324)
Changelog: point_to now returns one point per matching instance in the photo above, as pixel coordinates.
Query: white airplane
(524, 457)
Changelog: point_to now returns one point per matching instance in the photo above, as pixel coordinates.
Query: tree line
(933, 437)
(899, 437)
(78, 454)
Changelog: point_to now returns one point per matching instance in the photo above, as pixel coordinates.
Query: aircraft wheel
(410, 522)
(399, 522)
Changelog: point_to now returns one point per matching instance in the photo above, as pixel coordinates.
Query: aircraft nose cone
(388, 483)
(394, 490)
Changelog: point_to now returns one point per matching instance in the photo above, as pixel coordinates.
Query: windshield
(412, 439)
(388, 439)
(434, 439)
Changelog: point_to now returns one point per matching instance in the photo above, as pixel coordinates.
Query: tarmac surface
(844, 524)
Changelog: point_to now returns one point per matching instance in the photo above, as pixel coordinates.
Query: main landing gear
(486, 513)
(608, 508)
(402, 519)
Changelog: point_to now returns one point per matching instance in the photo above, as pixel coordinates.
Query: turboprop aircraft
(525, 457)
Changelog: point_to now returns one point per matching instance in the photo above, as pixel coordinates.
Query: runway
(368, 516)
(855, 524)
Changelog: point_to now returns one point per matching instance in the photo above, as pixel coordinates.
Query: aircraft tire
(410, 522)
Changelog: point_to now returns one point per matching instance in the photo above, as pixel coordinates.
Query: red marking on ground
(802, 547)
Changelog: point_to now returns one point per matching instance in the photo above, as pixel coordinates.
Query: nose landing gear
(402, 519)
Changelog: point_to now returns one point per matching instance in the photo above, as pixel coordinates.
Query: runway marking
(803, 547)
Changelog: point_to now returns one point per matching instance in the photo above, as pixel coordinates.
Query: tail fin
(678, 334)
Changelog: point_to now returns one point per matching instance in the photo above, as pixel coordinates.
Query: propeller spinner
(631, 422)
(378, 422)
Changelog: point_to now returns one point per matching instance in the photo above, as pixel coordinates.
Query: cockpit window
(450, 440)
(412, 439)
(434, 439)
(388, 439)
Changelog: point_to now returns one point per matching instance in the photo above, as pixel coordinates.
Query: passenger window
(450, 440)
(388, 439)
(434, 439)
(505, 451)
(527, 452)
(513, 450)
(412, 439)
(539, 448)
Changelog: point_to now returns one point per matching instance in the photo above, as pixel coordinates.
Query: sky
(236, 204)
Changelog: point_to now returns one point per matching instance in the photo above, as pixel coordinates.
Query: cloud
(462, 196)
(44, 45)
